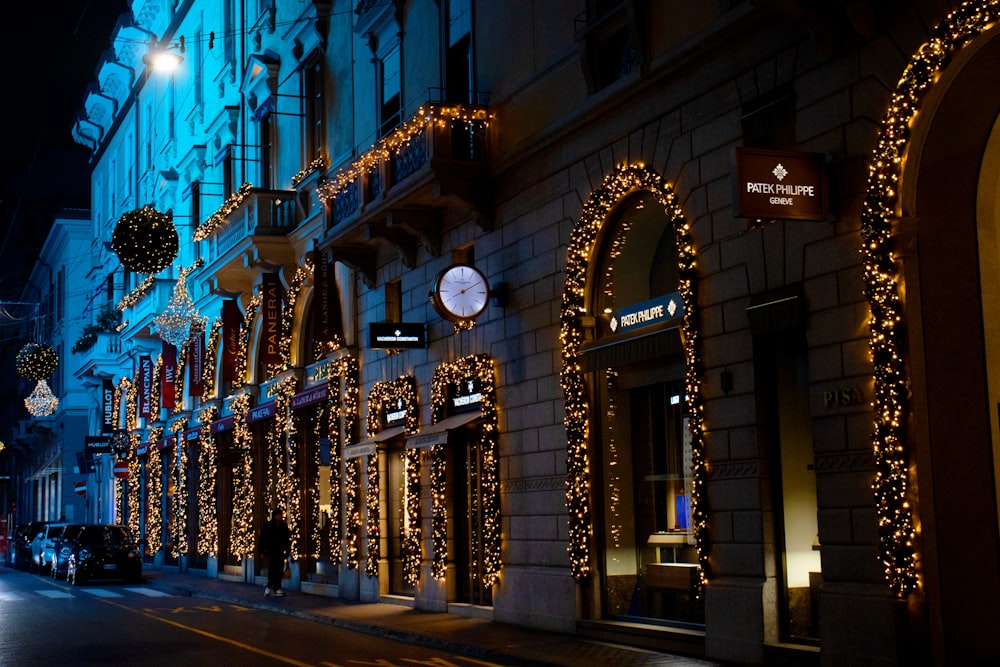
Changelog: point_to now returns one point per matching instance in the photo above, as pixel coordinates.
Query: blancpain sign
(780, 185)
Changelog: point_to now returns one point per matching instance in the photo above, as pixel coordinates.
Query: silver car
(43, 546)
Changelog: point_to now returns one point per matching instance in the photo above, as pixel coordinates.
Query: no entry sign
(121, 469)
(80, 488)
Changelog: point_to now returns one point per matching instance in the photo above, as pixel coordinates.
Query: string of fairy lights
(221, 218)
(208, 472)
(415, 128)
(446, 376)
(623, 181)
(402, 393)
(897, 530)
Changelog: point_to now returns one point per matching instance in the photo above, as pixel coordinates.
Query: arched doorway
(932, 264)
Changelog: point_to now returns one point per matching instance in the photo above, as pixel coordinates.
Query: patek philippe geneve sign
(784, 185)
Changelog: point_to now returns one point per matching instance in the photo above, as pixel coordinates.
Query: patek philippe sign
(647, 313)
(397, 335)
(784, 185)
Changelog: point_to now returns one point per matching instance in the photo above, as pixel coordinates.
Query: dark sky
(53, 47)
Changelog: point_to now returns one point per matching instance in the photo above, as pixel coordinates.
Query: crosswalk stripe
(55, 595)
(149, 592)
(101, 593)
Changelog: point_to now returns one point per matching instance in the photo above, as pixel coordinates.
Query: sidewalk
(474, 637)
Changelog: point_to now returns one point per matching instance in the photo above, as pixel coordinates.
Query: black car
(20, 544)
(104, 551)
(61, 548)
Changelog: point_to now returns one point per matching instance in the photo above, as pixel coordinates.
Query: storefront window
(650, 560)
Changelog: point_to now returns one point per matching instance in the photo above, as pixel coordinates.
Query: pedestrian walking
(275, 543)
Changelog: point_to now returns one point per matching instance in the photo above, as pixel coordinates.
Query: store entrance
(465, 521)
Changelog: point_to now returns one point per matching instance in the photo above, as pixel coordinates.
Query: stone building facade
(758, 437)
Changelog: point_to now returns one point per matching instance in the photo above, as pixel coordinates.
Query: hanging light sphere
(145, 240)
(36, 361)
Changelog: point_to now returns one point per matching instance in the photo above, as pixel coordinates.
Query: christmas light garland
(424, 119)
(211, 358)
(208, 473)
(221, 216)
(242, 540)
(403, 393)
(134, 519)
(137, 294)
(282, 460)
(882, 277)
(154, 497)
(319, 164)
(179, 543)
(623, 181)
(481, 367)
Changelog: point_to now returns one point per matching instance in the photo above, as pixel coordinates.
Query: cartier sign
(784, 185)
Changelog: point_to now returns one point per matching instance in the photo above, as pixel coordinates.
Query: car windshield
(92, 535)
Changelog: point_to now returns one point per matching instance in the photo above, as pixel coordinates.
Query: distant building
(668, 323)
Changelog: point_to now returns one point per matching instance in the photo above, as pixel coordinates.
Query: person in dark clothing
(275, 543)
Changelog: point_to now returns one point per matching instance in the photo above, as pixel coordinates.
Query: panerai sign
(784, 185)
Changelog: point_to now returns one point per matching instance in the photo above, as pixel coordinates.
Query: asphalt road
(47, 622)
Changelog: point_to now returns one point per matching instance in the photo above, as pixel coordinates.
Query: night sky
(53, 47)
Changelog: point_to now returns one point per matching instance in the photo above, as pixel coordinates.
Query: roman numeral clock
(460, 293)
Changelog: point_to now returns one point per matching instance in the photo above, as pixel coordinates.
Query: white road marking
(55, 595)
(149, 592)
(101, 593)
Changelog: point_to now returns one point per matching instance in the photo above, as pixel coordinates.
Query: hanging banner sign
(230, 339)
(196, 362)
(108, 417)
(145, 394)
(397, 335)
(784, 185)
(169, 376)
(647, 313)
(327, 325)
(271, 315)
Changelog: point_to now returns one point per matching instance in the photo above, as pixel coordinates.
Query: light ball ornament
(36, 361)
(145, 240)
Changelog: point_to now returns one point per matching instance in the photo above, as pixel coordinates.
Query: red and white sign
(121, 469)
(80, 488)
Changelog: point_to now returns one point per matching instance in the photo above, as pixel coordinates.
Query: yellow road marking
(210, 635)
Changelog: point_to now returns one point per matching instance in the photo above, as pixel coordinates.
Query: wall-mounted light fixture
(165, 58)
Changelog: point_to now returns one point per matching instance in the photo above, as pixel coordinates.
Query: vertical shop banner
(108, 417)
(271, 312)
(326, 302)
(145, 394)
(169, 376)
(230, 339)
(196, 362)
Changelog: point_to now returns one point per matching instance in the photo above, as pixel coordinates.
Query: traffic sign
(121, 469)
(80, 488)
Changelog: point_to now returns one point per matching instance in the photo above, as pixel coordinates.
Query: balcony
(429, 170)
(103, 359)
(249, 231)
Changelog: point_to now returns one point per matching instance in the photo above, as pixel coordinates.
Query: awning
(437, 434)
(368, 445)
(611, 351)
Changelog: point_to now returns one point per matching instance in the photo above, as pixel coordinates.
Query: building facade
(511, 306)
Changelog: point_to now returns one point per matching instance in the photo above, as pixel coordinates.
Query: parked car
(19, 545)
(35, 548)
(46, 546)
(104, 551)
(61, 548)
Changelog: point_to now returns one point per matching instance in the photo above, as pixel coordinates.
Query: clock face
(460, 292)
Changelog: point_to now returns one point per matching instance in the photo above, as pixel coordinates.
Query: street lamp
(163, 58)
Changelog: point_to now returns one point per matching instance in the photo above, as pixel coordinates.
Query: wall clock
(460, 293)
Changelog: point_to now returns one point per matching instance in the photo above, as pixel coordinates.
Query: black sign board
(782, 185)
(465, 396)
(397, 335)
(97, 444)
